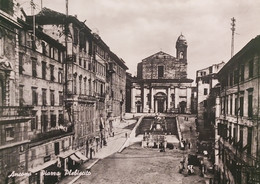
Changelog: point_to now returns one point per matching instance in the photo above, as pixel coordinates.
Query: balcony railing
(240, 157)
(52, 133)
(86, 97)
(15, 111)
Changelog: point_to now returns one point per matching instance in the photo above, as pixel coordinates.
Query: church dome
(181, 40)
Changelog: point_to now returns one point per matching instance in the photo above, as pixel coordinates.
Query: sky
(136, 29)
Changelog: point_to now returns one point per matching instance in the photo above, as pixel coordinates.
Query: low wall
(179, 132)
(132, 135)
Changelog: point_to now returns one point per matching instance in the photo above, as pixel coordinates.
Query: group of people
(152, 141)
(190, 169)
(186, 144)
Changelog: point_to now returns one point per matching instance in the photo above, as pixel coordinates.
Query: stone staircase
(145, 125)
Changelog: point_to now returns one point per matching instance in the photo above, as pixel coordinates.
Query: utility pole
(233, 33)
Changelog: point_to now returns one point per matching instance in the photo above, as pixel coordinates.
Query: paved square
(139, 165)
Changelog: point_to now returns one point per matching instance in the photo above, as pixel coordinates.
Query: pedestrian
(126, 135)
(91, 150)
(183, 159)
(184, 144)
(201, 166)
(181, 167)
(189, 145)
(101, 122)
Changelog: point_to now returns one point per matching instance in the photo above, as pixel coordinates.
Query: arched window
(181, 55)
(85, 85)
(80, 84)
(89, 85)
(75, 83)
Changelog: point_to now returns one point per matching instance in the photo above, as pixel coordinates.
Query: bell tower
(181, 49)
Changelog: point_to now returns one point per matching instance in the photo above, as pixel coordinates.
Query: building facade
(14, 119)
(93, 76)
(129, 80)
(58, 84)
(237, 118)
(162, 84)
(38, 70)
(206, 79)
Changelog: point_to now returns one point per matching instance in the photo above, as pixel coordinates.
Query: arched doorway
(182, 106)
(160, 102)
(138, 106)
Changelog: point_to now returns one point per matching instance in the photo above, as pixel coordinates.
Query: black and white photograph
(129, 92)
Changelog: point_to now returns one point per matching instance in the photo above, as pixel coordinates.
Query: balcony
(111, 68)
(100, 97)
(71, 58)
(86, 98)
(15, 112)
(240, 157)
(45, 136)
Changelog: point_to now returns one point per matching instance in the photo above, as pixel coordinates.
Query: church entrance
(138, 107)
(182, 107)
(160, 102)
(160, 105)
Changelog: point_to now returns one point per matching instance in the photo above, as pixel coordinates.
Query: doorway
(160, 103)
(87, 147)
(57, 148)
(139, 107)
(182, 107)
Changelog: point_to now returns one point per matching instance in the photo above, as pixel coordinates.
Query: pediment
(160, 55)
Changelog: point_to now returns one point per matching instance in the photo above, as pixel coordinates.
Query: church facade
(161, 84)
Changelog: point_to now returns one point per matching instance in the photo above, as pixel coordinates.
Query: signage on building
(47, 158)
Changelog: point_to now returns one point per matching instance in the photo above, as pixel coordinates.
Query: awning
(82, 157)
(42, 166)
(66, 153)
(76, 159)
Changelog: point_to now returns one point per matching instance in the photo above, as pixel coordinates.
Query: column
(7, 90)
(217, 107)
(188, 100)
(176, 97)
(169, 100)
(164, 105)
(133, 93)
(152, 100)
(145, 100)
(228, 104)
(155, 106)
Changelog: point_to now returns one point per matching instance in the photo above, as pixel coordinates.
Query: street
(139, 165)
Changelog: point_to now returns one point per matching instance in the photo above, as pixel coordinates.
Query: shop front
(41, 173)
(64, 161)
